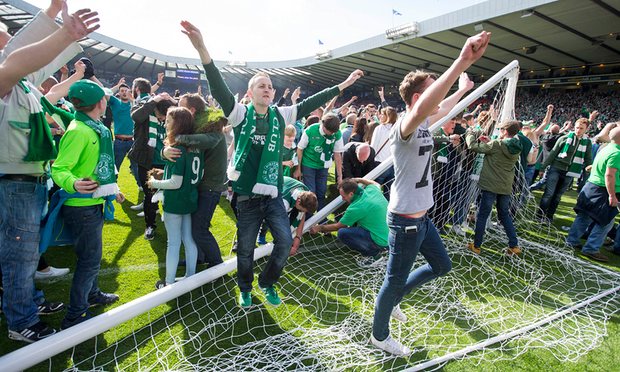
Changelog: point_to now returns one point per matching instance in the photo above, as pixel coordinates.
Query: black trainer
(48, 308)
(102, 298)
(68, 323)
(160, 284)
(33, 333)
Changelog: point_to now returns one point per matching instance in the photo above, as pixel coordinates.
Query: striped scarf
(576, 165)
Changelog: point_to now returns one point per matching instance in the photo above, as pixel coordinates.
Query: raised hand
(286, 92)
(80, 67)
(465, 83)
(193, 33)
(79, 24)
(475, 47)
(351, 79)
(160, 78)
(295, 95)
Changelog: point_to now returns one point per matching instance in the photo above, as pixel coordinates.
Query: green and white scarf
(576, 165)
(153, 122)
(41, 146)
(105, 169)
(266, 182)
(442, 153)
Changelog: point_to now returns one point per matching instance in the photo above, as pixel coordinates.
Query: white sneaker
(141, 214)
(458, 230)
(398, 314)
(51, 273)
(391, 346)
(137, 207)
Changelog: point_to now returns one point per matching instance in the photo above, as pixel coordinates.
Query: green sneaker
(272, 296)
(245, 299)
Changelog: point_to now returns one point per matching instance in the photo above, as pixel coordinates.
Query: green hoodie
(500, 157)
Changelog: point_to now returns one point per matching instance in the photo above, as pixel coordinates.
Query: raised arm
(545, 123)
(62, 89)
(158, 83)
(309, 104)
(33, 57)
(465, 85)
(218, 87)
(424, 107)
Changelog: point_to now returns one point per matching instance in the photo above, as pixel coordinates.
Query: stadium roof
(544, 35)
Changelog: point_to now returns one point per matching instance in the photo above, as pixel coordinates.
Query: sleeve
(481, 147)
(114, 102)
(588, 157)
(351, 215)
(289, 113)
(173, 183)
(339, 145)
(178, 167)
(220, 90)
(36, 30)
(201, 141)
(71, 146)
(315, 101)
(555, 151)
(614, 160)
(303, 142)
(140, 114)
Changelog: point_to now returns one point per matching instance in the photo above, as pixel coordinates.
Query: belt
(241, 198)
(124, 139)
(25, 178)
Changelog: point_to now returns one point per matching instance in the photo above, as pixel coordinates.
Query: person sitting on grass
(256, 168)
(180, 195)
(363, 226)
(496, 178)
(298, 201)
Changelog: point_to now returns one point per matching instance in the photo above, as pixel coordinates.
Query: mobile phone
(413, 228)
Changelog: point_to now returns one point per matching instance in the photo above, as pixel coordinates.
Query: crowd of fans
(271, 162)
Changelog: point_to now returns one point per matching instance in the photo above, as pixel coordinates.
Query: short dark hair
(163, 106)
(123, 86)
(142, 84)
(195, 101)
(308, 201)
(331, 122)
(348, 185)
(313, 119)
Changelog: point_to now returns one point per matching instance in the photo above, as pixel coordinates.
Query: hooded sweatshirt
(500, 157)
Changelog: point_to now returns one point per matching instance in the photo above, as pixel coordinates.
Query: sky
(265, 30)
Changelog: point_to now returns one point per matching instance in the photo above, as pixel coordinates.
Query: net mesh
(483, 305)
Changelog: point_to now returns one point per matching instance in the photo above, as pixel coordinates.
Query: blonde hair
(290, 131)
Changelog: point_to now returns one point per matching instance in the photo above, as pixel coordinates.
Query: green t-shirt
(608, 157)
(184, 200)
(159, 145)
(369, 211)
(320, 148)
(287, 154)
(78, 156)
(290, 192)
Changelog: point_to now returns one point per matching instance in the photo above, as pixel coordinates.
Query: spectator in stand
(570, 155)
(357, 160)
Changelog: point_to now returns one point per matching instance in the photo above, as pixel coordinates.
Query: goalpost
(545, 299)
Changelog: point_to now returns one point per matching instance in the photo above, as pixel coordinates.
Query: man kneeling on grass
(363, 226)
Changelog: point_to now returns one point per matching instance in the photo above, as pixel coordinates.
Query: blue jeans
(359, 239)
(86, 224)
(250, 215)
(596, 237)
(121, 148)
(316, 181)
(557, 184)
(529, 174)
(179, 228)
(408, 236)
(503, 212)
(541, 182)
(20, 218)
(208, 249)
